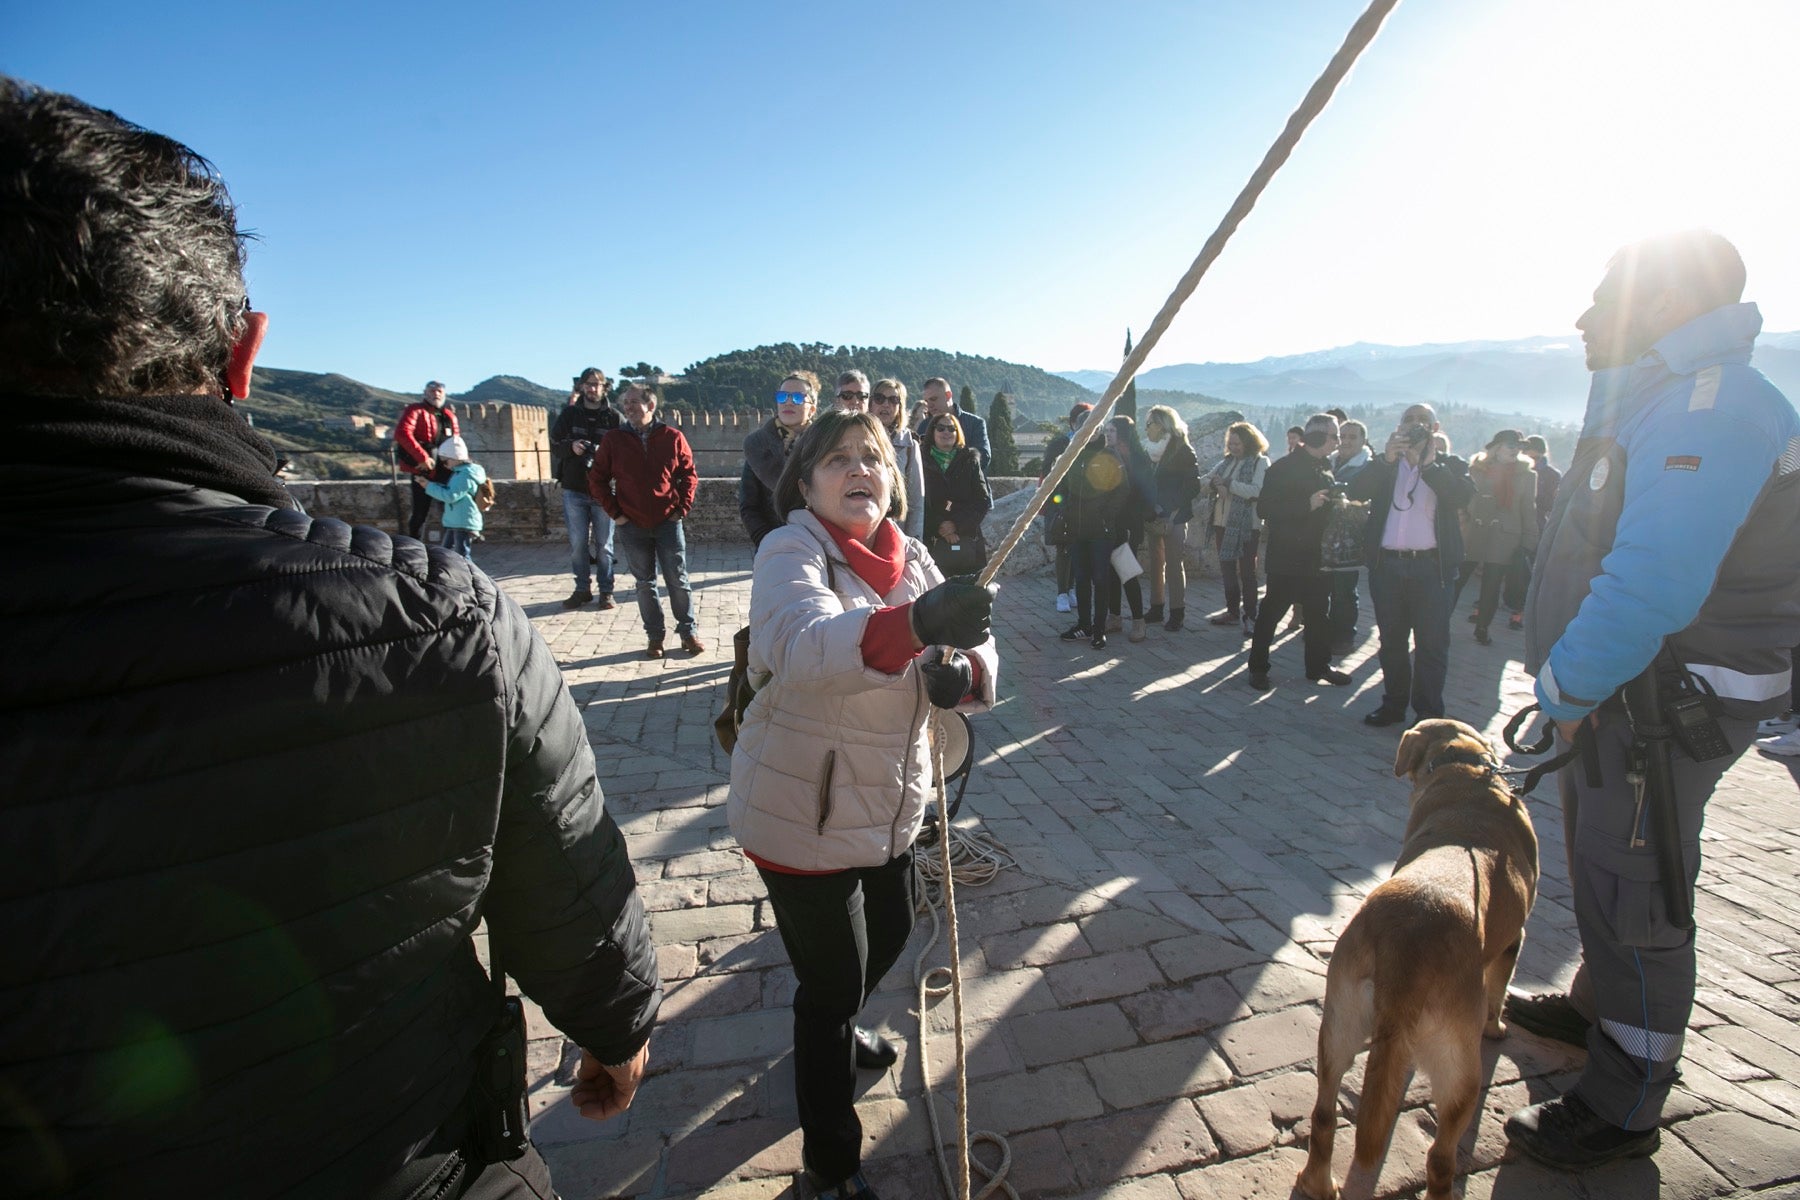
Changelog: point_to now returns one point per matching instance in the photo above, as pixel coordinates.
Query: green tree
(966, 399)
(1000, 436)
(643, 370)
(1127, 405)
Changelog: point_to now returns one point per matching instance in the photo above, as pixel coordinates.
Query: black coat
(1295, 528)
(960, 492)
(1447, 476)
(1093, 494)
(264, 775)
(579, 423)
(1177, 482)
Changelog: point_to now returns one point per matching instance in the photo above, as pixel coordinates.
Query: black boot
(1173, 624)
(1155, 613)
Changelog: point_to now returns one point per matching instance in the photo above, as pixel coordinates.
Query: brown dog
(1421, 970)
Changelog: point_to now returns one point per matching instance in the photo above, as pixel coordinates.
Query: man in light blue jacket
(1671, 541)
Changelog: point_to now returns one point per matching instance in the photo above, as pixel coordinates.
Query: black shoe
(1482, 637)
(1155, 613)
(1549, 1015)
(1228, 617)
(578, 598)
(1566, 1133)
(873, 1052)
(1381, 718)
(1074, 634)
(1177, 617)
(1098, 641)
(853, 1188)
(1260, 681)
(1334, 678)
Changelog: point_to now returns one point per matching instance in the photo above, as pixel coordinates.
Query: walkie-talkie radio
(1691, 711)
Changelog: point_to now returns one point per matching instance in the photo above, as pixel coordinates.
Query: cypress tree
(1127, 405)
(1000, 436)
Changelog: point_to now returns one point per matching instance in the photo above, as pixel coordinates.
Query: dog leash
(1582, 746)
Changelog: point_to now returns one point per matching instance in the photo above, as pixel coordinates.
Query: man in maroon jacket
(643, 476)
(423, 424)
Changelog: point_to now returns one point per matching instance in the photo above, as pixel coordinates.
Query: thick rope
(1355, 42)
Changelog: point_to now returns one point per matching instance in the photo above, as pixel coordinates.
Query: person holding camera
(574, 437)
(1415, 548)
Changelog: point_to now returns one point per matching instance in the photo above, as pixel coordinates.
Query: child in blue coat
(462, 515)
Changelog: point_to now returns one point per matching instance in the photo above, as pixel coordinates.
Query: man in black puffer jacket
(264, 774)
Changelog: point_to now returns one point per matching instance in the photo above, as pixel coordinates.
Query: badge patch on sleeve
(1682, 462)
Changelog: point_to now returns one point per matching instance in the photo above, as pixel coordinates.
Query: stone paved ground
(1142, 992)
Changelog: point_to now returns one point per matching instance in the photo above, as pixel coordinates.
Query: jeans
(1412, 604)
(1340, 604)
(646, 550)
(1164, 563)
(590, 540)
(1092, 558)
(1283, 591)
(462, 541)
(843, 932)
(1239, 574)
(421, 510)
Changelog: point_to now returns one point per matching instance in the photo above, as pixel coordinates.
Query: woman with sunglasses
(887, 403)
(957, 498)
(1177, 483)
(854, 639)
(766, 453)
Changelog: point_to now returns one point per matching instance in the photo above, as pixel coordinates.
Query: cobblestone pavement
(1142, 992)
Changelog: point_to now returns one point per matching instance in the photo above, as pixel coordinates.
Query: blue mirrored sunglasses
(790, 398)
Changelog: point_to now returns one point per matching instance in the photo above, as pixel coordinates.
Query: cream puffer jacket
(831, 766)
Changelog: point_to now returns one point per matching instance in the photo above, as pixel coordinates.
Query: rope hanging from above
(1355, 42)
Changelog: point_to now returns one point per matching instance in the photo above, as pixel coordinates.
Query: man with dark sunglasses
(853, 392)
(940, 398)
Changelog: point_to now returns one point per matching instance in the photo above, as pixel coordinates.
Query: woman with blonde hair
(1176, 473)
(887, 402)
(766, 452)
(1235, 482)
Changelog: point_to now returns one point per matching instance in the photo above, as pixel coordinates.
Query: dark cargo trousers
(1636, 979)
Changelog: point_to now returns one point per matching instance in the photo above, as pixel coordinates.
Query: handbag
(1125, 564)
(1341, 548)
(963, 557)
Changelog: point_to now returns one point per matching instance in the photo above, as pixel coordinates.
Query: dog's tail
(1384, 1086)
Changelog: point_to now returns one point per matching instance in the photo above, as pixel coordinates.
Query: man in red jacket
(643, 476)
(422, 425)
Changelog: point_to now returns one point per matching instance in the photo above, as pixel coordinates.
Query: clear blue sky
(458, 190)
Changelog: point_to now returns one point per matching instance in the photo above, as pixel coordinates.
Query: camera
(1417, 433)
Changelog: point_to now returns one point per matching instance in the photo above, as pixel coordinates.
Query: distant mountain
(1543, 377)
(511, 389)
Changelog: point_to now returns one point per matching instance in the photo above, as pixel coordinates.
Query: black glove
(949, 679)
(954, 613)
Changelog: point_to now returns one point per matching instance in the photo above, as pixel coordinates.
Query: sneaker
(654, 649)
(606, 602)
(1566, 1133)
(1074, 633)
(1228, 617)
(1098, 641)
(1260, 681)
(1785, 746)
(1775, 726)
(1063, 603)
(1113, 624)
(853, 1188)
(577, 598)
(1334, 678)
(1549, 1015)
(1138, 632)
(1155, 613)
(692, 644)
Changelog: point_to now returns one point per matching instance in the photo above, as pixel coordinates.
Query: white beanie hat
(454, 447)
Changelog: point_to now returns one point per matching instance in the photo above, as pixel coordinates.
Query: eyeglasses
(884, 401)
(853, 395)
(943, 429)
(792, 398)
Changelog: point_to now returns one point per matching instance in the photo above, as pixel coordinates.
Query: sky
(455, 190)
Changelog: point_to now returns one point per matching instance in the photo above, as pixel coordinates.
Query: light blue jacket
(460, 509)
(1675, 520)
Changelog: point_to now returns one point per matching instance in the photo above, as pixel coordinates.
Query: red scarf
(880, 565)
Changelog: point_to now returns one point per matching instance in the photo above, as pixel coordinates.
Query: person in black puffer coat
(1091, 497)
(957, 497)
(265, 774)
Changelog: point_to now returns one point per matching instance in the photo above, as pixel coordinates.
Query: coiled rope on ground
(1317, 97)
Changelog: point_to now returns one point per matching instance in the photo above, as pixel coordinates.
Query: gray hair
(853, 376)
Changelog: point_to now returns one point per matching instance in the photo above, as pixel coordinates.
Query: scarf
(942, 458)
(879, 565)
(1154, 447)
(1240, 517)
(197, 440)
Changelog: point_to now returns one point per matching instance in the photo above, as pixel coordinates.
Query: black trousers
(843, 932)
(1280, 593)
(421, 510)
